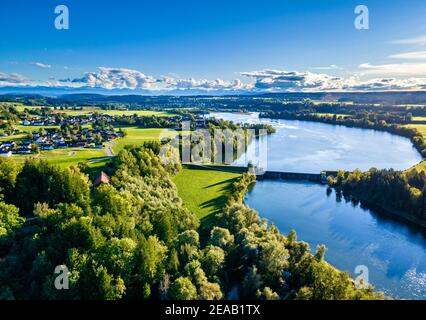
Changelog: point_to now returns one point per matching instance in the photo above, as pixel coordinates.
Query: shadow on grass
(217, 204)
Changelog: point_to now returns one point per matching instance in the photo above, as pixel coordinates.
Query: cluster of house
(54, 119)
(59, 138)
(7, 148)
(85, 138)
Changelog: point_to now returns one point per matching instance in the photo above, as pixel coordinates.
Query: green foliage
(40, 181)
(9, 170)
(183, 289)
(403, 193)
(10, 220)
(134, 239)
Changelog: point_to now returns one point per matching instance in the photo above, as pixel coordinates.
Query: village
(56, 132)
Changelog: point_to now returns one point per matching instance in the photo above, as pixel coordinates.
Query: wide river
(393, 251)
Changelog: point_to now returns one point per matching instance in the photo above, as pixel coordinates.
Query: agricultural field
(16, 137)
(330, 114)
(137, 136)
(204, 191)
(29, 129)
(419, 119)
(68, 157)
(114, 112)
(420, 127)
(87, 110)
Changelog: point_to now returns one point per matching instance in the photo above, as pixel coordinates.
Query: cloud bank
(267, 80)
(293, 81)
(10, 79)
(121, 78)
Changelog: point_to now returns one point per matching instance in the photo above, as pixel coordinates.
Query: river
(393, 251)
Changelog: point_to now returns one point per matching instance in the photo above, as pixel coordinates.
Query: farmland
(137, 136)
(114, 112)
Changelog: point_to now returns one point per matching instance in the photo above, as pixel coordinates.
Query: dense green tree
(42, 182)
(221, 237)
(9, 170)
(183, 289)
(212, 260)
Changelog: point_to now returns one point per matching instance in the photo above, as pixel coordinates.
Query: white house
(5, 153)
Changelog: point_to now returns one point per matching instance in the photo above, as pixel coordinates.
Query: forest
(402, 193)
(134, 239)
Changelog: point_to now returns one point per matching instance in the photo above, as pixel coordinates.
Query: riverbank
(408, 219)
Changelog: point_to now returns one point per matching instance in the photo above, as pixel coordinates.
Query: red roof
(102, 177)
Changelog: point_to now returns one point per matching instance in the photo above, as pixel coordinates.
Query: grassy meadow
(204, 192)
(137, 136)
(114, 112)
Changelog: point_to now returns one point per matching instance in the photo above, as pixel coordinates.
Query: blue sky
(309, 44)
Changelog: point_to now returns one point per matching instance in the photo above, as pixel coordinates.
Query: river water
(393, 251)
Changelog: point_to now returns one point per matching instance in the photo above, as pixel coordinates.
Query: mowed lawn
(203, 191)
(68, 157)
(137, 136)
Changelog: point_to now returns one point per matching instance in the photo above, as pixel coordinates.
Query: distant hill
(52, 96)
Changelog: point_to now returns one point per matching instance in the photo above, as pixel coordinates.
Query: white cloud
(41, 65)
(293, 81)
(256, 81)
(117, 78)
(330, 67)
(395, 69)
(120, 78)
(204, 84)
(414, 55)
(421, 40)
(11, 79)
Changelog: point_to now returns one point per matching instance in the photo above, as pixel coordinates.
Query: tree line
(403, 193)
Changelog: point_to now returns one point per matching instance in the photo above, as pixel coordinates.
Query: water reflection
(393, 251)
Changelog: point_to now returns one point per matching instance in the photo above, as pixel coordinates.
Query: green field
(16, 137)
(137, 136)
(29, 129)
(87, 110)
(68, 157)
(420, 127)
(65, 157)
(204, 191)
(420, 119)
(330, 114)
(114, 112)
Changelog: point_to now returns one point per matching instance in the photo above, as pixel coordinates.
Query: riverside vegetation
(134, 239)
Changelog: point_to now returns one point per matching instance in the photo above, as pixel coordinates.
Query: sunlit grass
(204, 192)
(137, 136)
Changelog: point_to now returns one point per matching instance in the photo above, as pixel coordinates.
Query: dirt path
(108, 150)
